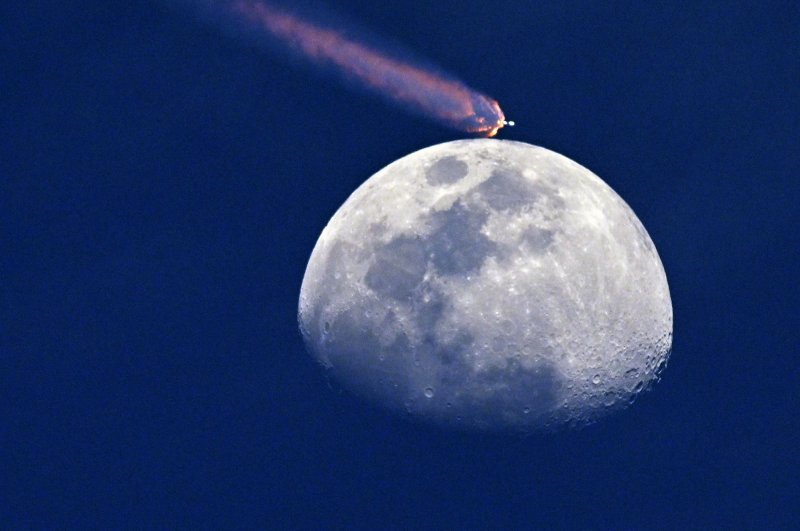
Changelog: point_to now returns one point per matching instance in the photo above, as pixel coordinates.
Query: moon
(488, 285)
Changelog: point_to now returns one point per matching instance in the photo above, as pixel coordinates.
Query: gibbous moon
(488, 284)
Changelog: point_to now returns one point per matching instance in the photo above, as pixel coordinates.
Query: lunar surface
(488, 284)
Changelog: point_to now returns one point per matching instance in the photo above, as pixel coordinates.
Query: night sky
(162, 185)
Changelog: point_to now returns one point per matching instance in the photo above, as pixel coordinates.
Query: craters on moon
(488, 284)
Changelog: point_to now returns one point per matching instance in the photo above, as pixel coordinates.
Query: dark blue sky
(162, 186)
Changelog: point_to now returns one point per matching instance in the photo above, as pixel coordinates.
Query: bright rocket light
(414, 87)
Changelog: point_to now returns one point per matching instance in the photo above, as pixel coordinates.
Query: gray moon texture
(489, 285)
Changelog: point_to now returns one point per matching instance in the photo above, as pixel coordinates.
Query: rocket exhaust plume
(417, 88)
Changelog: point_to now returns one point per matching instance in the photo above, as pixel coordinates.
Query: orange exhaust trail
(416, 88)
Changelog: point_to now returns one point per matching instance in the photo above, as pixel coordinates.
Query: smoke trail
(414, 87)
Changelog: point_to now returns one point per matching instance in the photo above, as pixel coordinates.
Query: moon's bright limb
(488, 284)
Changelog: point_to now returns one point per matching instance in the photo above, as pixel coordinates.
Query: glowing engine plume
(414, 87)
